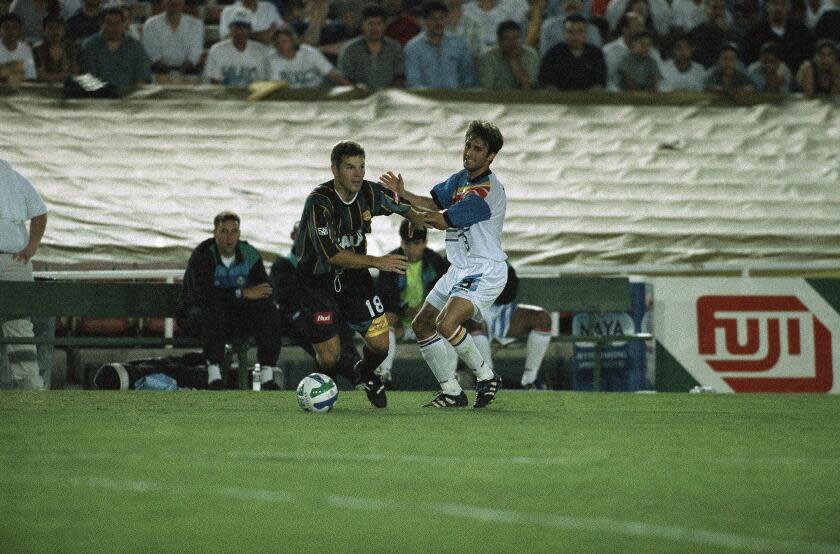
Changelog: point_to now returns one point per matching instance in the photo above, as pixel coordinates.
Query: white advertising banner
(750, 334)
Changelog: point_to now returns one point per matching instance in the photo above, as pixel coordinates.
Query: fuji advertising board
(749, 335)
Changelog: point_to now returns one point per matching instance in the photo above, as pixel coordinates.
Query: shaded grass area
(536, 472)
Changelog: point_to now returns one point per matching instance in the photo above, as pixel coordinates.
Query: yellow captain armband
(378, 326)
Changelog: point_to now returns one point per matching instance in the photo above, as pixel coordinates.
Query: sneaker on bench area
(443, 400)
(485, 391)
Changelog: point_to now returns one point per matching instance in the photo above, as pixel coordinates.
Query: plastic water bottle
(256, 376)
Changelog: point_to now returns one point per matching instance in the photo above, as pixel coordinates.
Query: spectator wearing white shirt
(629, 25)
(174, 41)
(16, 60)
(265, 19)
(300, 65)
(490, 13)
(769, 73)
(237, 61)
(681, 73)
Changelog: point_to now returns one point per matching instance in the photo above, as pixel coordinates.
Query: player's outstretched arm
(395, 263)
(394, 181)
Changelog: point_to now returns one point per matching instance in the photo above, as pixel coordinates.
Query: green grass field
(535, 472)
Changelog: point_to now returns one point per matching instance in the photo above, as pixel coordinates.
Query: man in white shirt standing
(173, 40)
(19, 203)
(237, 61)
(629, 25)
(16, 60)
(265, 19)
(470, 206)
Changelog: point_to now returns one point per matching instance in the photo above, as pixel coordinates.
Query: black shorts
(349, 296)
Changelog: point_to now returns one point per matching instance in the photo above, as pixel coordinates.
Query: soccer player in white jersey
(470, 206)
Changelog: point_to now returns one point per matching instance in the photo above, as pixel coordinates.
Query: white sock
(468, 352)
(535, 349)
(213, 372)
(388, 362)
(266, 374)
(439, 360)
(482, 342)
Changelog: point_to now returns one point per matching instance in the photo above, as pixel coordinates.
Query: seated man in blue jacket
(227, 295)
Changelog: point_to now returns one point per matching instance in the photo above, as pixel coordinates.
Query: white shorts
(499, 323)
(480, 283)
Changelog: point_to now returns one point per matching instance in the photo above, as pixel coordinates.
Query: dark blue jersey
(329, 224)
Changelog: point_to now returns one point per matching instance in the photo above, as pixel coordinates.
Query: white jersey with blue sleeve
(475, 213)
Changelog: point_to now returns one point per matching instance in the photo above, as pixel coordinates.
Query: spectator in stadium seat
(264, 19)
(465, 27)
(820, 76)
(630, 24)
(174, 41)
(19, 202)
(16, 60)
(373, 60)
(293, 321)
(638, 69)
(237, 61)
(402, 295)
(828, 24)
(709, 36)
(573, 64)
(84, 22)
(681, 73)
(490, 13)
(727, 76)
(510, 65)
(300, 65)
(227, 296)
(553, 28)
(769, 73)
(796, 44)
(32, 14)
(436, 58)
(56, 57)
(511, 321)
(400, 24)
(113, 56)
(655, 14)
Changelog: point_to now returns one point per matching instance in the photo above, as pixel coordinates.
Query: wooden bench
(591, 295)
(86, 299)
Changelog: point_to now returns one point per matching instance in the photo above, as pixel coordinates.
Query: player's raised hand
(395, 263)
(394, 182)
(436, 220)
(415, 221)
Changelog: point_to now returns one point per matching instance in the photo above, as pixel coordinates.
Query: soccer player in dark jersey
(333, 264)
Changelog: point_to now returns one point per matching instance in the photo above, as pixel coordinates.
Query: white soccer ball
(317, 393)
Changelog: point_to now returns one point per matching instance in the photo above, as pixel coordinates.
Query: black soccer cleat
(443, 400)
(485, 391)
(375, 391)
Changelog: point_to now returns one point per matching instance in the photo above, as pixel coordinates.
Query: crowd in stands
(735, 46)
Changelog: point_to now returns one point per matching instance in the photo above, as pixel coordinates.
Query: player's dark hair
(487, 132)
(374, 10)
(345, 149)
(419, 232)
(505, 26)
(221, 217)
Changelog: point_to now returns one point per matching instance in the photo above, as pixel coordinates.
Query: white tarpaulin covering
(138, 181)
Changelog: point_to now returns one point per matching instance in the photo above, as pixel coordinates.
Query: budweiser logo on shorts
(323, 318)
